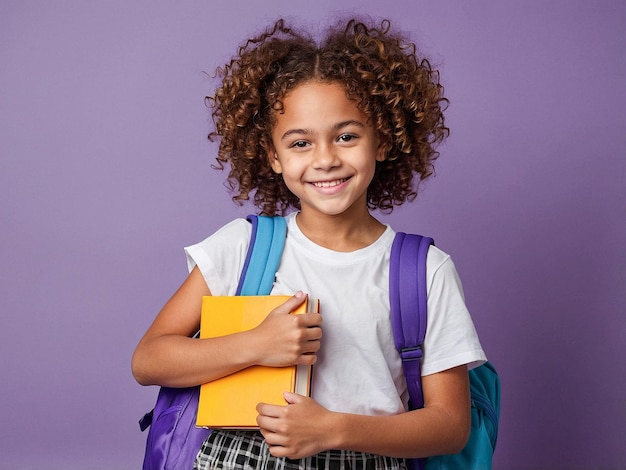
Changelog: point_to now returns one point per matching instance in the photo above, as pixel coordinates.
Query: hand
(297, 430)
(283, 339)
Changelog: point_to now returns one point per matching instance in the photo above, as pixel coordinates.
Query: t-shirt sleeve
(451, 338)
(221, 256)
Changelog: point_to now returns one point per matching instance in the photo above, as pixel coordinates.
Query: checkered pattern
(246, 450)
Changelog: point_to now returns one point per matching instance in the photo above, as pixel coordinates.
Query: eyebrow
(335, 127)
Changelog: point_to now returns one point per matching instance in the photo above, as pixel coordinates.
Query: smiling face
(326, 150)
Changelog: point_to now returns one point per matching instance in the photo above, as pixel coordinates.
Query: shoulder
(441, 274)
(438, 264)
(235, 230)
(437, 259)
(237, 226)
(232, 238)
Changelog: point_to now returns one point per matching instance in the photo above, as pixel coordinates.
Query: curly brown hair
(399, 92)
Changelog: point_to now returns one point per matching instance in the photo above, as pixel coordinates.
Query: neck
(338, 232)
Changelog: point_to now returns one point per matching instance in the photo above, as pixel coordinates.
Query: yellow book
(230, 402)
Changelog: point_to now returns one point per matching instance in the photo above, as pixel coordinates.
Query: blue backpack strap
(264, 252)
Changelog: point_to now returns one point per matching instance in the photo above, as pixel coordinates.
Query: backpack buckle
(411, 354)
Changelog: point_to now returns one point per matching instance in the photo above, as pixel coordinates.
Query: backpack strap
(408, 301)
(264, 252)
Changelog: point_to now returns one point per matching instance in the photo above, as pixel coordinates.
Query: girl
(332, 131)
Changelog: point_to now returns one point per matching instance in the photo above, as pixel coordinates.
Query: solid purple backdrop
(105, 175)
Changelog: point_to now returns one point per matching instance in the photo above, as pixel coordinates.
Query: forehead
(317, 103)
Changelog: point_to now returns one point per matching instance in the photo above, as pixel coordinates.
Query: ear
(381, 154)
(272, 156)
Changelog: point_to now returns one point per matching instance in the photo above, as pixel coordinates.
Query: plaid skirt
(247, 450)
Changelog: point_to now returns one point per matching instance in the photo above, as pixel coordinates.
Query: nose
(325, 157)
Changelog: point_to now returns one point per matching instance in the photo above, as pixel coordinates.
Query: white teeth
(329, 184)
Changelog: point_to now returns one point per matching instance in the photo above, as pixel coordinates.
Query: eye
(300, 144)
(347, 138)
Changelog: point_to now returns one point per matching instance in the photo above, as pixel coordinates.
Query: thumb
(293, 302)
(293, 398)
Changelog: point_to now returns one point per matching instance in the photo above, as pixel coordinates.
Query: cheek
(369, 164)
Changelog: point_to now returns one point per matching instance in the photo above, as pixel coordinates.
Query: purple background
(105, 176)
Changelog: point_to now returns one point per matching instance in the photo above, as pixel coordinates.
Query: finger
(292, 303)
(311, 346)
(278, 450)
(266, 425)
(307, 359)
(313, 333)
(278, 446)
(268, 410)
(310, 320)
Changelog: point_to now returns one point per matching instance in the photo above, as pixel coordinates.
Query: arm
(168, 356)
(304, 428)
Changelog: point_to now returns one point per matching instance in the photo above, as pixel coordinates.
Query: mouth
(329, 184)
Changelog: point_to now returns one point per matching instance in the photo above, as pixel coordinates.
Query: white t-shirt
(358, 368)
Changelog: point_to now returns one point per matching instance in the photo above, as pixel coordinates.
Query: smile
(329, 184)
